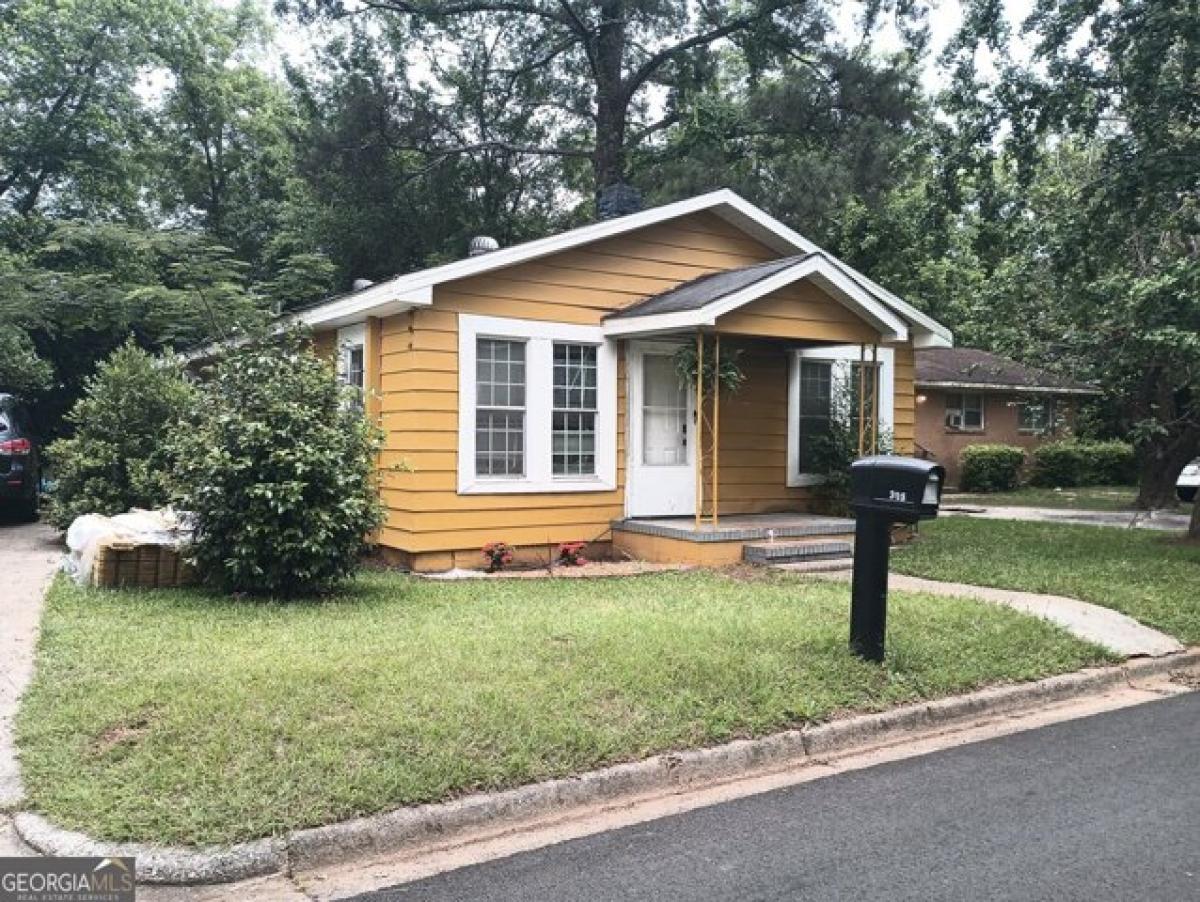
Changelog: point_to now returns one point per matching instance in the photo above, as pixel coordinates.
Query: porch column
(699, 426)
(716, 430)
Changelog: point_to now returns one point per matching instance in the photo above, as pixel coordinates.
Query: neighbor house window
(1036, 416)
(964, 411)
(537, 407)
(499, 407)
(823, 383)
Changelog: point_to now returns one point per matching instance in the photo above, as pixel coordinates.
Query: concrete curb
(665, 773)
(160, 864)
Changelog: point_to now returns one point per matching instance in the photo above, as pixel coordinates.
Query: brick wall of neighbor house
(433, 527)
(1000, 427)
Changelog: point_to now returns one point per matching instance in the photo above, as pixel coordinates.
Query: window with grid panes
(573, 420)
(499, 407)
(816, 407)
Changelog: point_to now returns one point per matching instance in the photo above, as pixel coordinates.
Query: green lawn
(176, 717)
(1150, 576)
(1092, 497)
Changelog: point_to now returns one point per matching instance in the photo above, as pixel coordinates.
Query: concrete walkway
(28, 555)
(1103, 626)
(1162, 520)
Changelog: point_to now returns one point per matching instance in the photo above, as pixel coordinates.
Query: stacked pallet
(121, 563)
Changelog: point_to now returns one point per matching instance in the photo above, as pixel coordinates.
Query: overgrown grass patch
(179, 717)
(1150, 576)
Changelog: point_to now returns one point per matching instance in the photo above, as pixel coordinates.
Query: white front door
(661, 478)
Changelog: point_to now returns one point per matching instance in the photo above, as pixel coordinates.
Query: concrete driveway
(1162, 520)
(29, 553)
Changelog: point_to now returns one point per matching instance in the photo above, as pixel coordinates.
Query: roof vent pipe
(360, 284)
(482, 244)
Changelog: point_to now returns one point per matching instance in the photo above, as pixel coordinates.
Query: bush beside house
(1075, 463)
(279, 472)
(119, 456)
(991, 468)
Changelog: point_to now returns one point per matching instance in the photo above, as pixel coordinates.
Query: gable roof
(974, 368)
(700, 292)
(700, 301)
(416, 289)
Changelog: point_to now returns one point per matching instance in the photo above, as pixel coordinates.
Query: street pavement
(1101, 808)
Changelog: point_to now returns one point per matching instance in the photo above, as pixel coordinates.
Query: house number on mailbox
(897, 496)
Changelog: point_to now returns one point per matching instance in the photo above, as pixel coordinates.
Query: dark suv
(20, 468)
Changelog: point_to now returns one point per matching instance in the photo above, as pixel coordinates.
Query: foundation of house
(757, 538)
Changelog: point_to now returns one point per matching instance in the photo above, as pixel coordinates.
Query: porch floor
(738, 527)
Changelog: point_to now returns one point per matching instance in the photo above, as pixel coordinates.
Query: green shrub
(120, 455)
(1109, 463)
(279, 473)
(1074, 463)
(835, 450)
(991, 468)
(1057, 464)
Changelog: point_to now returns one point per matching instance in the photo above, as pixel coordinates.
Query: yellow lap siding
(418, 377)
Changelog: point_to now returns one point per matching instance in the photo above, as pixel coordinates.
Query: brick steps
(796, 552)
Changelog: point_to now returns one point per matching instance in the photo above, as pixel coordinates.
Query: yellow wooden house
(534, 394)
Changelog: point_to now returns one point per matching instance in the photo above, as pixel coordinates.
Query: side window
(816, 408)
(354, 366)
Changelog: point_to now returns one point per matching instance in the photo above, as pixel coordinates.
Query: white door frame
(636, 471)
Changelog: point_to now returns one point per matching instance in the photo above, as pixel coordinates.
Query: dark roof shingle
(702, 291)
(971, 366)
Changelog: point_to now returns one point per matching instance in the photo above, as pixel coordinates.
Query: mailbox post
(883, 490)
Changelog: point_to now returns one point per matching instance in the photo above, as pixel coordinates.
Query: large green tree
(78, 290)
(72, 123)
(602, 79)
(1099, 137)
(223, 140)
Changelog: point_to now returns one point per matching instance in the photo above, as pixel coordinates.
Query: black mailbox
(883, 490)
(904, 488)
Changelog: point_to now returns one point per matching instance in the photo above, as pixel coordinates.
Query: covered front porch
(805, 346)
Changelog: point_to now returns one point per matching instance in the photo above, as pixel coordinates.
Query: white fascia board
(767, 228)
(375, 301)
(414, 288)
(834, 282)
(411, 288)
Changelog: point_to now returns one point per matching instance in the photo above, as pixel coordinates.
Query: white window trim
(539, 338)
(842, 356)
(352, 336)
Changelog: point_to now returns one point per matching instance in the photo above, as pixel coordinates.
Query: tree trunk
(1194, 525)
(612, 100)
(1161, 464)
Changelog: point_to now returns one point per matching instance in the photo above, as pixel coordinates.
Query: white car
(1189, 481)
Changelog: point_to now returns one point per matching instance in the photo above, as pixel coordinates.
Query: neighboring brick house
(966, 396)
